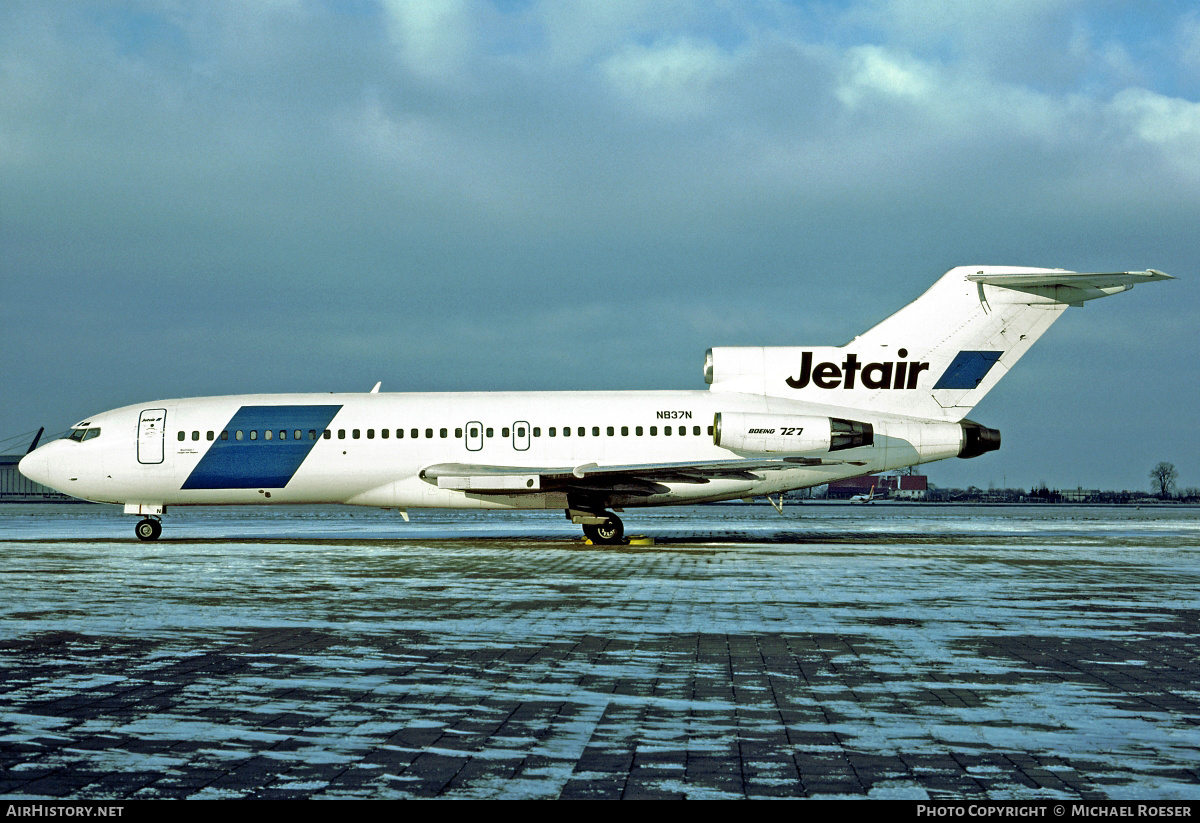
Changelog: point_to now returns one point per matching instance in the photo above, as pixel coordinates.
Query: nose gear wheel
(148, 529)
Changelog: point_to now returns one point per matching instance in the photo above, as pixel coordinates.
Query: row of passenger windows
(473, 432)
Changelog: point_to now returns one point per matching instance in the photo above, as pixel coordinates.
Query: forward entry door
(151, 434)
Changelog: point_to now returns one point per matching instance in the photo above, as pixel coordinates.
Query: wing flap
(640, 478)
(507, 483)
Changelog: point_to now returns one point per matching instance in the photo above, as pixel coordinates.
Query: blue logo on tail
(968, 369)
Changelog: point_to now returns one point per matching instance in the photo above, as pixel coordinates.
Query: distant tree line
(1164, 480)
(1163, 486)
(1044, 494)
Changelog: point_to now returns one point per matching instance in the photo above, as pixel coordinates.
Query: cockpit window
(90, 433)
(79, 435)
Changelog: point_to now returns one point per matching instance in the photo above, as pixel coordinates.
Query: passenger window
(566, 431)
(384, 433)
(611, 431)
(581, 431)
(237, 435)
(666, 431)
(504, 432)
(400, 434)
(710, 431)
(537, 431)
(520, 431)
(552, 432)
(638, 431)
(682, 431)
(595, 431)
(182, 435)
(654, 431)
(457, 433)
(267, 435)
(624, 431)
(443, 433)
(341, 434)
(195, 435)
(312, 434)
(225, 435)
(696, 431)
(327, 434)
(429, 433)
(488, 431)
(355, 434)
(208, 436)
(253, 434)
(283, 434)
(370, 434)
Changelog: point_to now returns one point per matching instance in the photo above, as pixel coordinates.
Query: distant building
(897, 487)
(17, 488)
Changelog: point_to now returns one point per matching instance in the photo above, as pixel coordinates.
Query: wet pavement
(898, 652)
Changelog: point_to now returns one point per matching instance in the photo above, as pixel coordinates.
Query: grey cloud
(218, 198)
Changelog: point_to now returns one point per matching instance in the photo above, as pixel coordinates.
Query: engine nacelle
(978, 439)
(789, 434)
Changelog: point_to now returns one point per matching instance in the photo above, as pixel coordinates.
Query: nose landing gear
(148, 529)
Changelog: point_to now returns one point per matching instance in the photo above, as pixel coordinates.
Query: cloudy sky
(223, 197)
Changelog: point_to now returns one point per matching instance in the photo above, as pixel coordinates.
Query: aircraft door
(151, 434)
(474, 436)
(520, 435)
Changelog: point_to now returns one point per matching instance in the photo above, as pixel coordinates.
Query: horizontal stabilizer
(1069, 287)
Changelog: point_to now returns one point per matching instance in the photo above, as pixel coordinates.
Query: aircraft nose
(36, 466)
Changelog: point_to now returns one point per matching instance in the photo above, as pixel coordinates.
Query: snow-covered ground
(897, 651)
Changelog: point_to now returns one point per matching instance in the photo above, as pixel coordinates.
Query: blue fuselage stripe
(261, 463)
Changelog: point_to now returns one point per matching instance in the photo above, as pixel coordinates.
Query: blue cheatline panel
(260, 463)
(968, 369)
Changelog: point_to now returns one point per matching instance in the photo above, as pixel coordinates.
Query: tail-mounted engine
(978, 439)
(789, 434)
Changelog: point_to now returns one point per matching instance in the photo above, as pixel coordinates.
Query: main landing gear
(602, 528)
(148, 529)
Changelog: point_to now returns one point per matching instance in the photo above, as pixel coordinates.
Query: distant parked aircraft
(864, 498)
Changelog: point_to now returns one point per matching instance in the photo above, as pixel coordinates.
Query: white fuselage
(350, 459)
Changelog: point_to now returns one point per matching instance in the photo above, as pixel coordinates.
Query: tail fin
(936, 357)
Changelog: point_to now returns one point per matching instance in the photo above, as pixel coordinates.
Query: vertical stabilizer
(937, 356)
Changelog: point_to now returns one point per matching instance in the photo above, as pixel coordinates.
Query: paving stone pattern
(987, 665)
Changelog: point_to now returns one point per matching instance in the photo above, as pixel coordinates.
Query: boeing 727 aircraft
(773, 419)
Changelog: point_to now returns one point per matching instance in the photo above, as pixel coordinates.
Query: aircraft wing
(644, 478)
